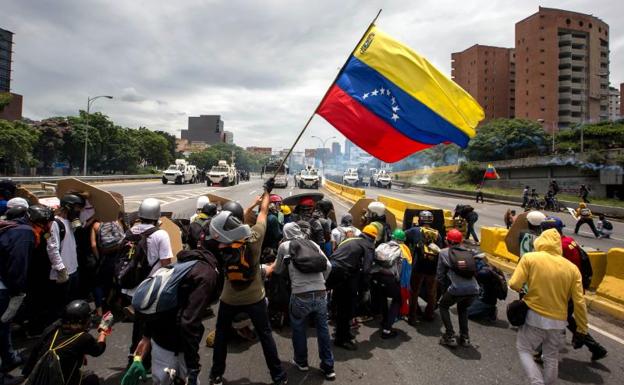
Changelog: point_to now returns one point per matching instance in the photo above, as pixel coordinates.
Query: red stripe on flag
(365, 129)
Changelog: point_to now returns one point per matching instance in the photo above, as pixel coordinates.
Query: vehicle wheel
(178, 180)
(208, 183)
(164, 181)
(389, 186)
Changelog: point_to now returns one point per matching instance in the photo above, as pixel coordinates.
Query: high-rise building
(336, 149)
(614, 103)
(487, 73)
(228, 137)
(267, 151)
(562, 68)
(348, 146)
(206, 129)
(622, 100)
(6, 55)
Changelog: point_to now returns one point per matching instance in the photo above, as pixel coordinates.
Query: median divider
(350, 194)
(398, 207)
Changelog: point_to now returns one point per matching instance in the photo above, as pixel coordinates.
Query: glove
(62, 276)
(578, 340)
(269, 184)
(14, 305)
(106, 323)
(135, 372)
(192, 378)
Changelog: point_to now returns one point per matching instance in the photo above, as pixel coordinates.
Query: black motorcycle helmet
(16, 213)
(236, 209)
(209, 209)
(72, 201)
(325, 206)
(77, 312)
(40, 214)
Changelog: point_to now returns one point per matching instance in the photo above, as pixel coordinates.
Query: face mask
(87, 213)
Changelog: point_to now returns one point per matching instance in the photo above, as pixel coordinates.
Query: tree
(153, 148)
(171, 140)
(5, 99)
(17, 141)
(49, 147)
(598, 136)
(507, 139)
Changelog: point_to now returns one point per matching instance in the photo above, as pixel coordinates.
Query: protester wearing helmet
(200, 227)
(351, 264)
(325, 208)
(275, 206)
(309, 220)
(534, 220)
(584, 215)
(72, 342)
(273, 234)
(201, 202)
(385, 280)
(376, 216)
(425, 241)
(344, 231)
(573, 253)
(456, 272)
(16, 208)
(239, 248)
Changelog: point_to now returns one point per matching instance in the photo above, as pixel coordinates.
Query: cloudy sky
(262, 65)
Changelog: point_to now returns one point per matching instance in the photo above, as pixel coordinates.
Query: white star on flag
(383, 90)
(395, 108)
(393, 100)
(388, 92)
(375, 93)
(365, 95)
(395, 117)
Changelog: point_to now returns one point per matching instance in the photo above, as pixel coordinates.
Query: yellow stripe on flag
(420, 79)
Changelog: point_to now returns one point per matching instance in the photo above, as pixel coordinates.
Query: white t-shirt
(539, 321)
(67, 251)
(339, 233)
(158, 247)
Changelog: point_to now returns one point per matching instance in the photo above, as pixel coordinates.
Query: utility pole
(89, 101)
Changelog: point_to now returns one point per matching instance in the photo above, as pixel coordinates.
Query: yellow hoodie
(552, 281)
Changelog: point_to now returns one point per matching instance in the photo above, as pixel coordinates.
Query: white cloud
(262, 65)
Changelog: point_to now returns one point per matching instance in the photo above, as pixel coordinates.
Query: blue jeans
(312, 305)
(482, 310)
(6, 346)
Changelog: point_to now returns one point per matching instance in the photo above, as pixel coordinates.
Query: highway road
(415, 357)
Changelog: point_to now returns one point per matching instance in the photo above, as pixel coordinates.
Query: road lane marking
(252, 192)
(607, 334)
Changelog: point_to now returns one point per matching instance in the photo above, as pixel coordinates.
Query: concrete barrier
(493, 243)
(599, 266)
(612, 285)
(351, 194)
(398, 207)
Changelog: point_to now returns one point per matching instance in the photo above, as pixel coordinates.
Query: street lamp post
(323, 141)
(89, 101)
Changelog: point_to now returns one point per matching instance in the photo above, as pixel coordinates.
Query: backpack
(133, 266)
(197, 233)
(48, 369)
(62, 230)
(587, 271)
(585, 212)
(306, 257)
(462, 262)
(158, 293)
(238, 267)
(346, 232)
(386, 254)
(110, 235)
(499, 282)
(607, 225)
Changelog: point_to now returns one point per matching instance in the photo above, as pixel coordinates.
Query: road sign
(60, 165)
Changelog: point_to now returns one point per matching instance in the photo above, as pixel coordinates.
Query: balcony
(566, 49)
(565, 72)
(565, 84)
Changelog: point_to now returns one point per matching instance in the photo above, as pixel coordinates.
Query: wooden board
(22, 192)
(573, 213)
(359, 210)
(107, 207)
(175, 235)
(512, 240)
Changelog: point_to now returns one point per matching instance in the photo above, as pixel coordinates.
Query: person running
(604, 226)
(553, 282)
(479, 193)
(585, 216)
(525, 196)
(456, 271)
(583, 193)
(308, 301)
(471, 217)
(385, 281)
(351, 262)
(240, 247)
(510, 217)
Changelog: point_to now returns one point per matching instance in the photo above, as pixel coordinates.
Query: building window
(580, 23)
(568, 21)
(541, 39)
(542, 62)
(542, 50)
(599, 29)
(590, 25)
(527, 93)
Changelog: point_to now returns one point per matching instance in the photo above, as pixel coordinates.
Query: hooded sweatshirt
(300, 282)
(552, 281)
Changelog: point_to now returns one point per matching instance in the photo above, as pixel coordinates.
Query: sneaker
(347, 345)
(465, 341)
(302, 368)
(330, 375)
(215, 380)
(387, 334)
(448, 340)
(598, 355)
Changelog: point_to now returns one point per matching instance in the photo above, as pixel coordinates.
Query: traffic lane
(491, 214)
(414, 357)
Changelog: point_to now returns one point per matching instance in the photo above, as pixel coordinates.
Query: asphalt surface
(414, 357)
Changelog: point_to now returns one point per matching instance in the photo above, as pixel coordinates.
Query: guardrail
(92, 178)
(351, 194)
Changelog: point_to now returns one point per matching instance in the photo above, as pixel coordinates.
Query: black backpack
(499, 282)
(48, 369)
(197, 234)
(306, 257)
(587, 271)
(462, 262)
(607, 225)
(132, 265)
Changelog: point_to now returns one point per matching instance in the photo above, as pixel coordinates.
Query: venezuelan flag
(490, 172)
(392, 102)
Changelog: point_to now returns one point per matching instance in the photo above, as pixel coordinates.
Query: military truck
(179, 173)
(222, 174)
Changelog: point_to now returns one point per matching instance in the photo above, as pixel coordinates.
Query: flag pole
(372, 23)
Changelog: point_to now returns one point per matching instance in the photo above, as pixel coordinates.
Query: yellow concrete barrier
(351, 194)
(493, 243)
(398, 207)
(599, 266)
(427, 171)
(612, 285)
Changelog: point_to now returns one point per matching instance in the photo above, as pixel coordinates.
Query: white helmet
(150, 209)
(377, 209)
(201, 202)
(535, 218)
(17, 202)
